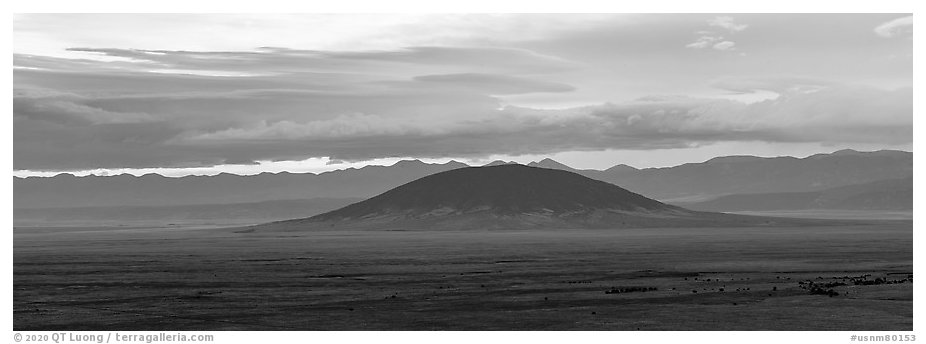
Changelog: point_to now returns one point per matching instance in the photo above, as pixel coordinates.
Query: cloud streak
(712, 39)
(727, 23)
(495, 84)
(273, 60)
(898, 27)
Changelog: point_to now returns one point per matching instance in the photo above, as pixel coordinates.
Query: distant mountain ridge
(891, 194)
(746, 174)
(157, 190)
(695, 181)
(550, 163)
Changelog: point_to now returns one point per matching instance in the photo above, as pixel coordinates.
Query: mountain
(749, 174)
(67, 190)
(620, 168)
(509, 197)
(892, 194)
(689, 182)
(552, 164)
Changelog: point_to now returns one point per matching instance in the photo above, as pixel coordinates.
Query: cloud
(273, 60)
(725, 46)
(175, 108)
(833, 114)
(68, 109)
(495, 84)
(715, 42)
(726, 22)
(148, 110)
(777, 84)
(343, 127)
(703, 42)
(711, 39)
(898, 27)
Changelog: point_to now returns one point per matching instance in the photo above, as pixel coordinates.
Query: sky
(181, 94)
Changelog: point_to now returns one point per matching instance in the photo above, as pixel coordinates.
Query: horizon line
(405, 160)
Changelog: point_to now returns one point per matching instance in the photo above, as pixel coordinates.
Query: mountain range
(891, 194)
(749, 174)
(66, 190)
(684, 184)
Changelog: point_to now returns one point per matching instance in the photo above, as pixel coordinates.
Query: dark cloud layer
(164, 108)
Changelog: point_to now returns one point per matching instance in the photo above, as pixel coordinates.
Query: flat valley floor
(196, 278)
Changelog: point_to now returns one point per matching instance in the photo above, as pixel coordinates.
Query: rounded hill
(509, 196)
(501, 189)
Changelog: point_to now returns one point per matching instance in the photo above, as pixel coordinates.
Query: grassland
(186, 278)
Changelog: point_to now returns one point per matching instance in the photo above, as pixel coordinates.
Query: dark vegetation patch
(825, 288)
(622, 290)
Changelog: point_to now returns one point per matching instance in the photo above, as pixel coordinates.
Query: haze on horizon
(202, 94)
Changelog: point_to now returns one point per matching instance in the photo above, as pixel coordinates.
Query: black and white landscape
(875, 183)
(463, 172)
